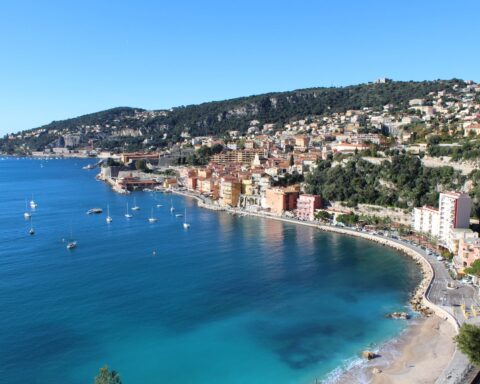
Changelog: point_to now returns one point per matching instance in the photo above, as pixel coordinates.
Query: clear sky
(64, 58)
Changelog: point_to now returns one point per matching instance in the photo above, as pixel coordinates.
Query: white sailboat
(152, 219)
(71, 243)
(128, 215)
(109, 218)
(26, 214)
(135, 206)
(33, 205)
(31, 231)
(185, 224)
(172, 208)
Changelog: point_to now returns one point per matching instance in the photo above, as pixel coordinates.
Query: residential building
(306, 206)
(280, 200)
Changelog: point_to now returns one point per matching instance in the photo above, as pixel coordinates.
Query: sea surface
(231, 300)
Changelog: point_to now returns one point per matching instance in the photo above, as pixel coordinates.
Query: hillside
(130, 127)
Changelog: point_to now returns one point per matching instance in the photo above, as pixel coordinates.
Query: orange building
(280, 200)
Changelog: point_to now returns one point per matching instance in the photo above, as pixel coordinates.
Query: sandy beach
(418, 356)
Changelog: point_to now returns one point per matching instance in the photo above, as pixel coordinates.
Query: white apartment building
(453, 212)
(426, 220)
(454, 209)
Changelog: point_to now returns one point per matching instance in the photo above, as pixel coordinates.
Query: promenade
(445, 302)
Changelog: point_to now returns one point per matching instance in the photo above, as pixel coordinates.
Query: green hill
(129, 127)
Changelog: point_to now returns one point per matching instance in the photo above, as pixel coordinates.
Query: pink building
(468, 252)
(306, 206)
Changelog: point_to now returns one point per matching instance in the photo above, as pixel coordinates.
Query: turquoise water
(232, 300)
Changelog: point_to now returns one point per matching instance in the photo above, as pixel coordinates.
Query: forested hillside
(120, 126)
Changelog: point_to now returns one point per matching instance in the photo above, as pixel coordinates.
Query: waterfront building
(453, 213)
(280, 200)
(454, 209)
(230, 189)
(426, 220)
(306, 206)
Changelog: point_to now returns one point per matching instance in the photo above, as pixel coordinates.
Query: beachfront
(425, 353)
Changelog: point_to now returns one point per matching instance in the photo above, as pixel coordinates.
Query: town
(265, 170)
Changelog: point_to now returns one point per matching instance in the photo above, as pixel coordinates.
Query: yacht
(26, 214)
(152, 219)
(94, 210)
(72, 243)
(33, 205)
(31, 231)
(135, 206)
(127, 214)
(185, 224)
(109, 218)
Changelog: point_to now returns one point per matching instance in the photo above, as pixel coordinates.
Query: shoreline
(418, 353)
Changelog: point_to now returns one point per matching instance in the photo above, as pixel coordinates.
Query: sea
(230, 300)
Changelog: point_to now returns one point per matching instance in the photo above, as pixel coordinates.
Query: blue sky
(60, 59)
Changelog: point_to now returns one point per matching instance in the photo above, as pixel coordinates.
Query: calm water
(232, 300)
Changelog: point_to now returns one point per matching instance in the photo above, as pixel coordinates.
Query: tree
(468, 341)
(323, 216)
(474, 269)
(140, 165)
(292, 161)
(105, 376)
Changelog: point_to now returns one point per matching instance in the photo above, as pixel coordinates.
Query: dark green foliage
(402, 182)
(323, 216)
(475, 192)
(468, 341)
(469, 149)
(474, 269)
(349, 219)
(203, 154)
(105, 376)
(288, 179)
(140, 165)
(217, 118)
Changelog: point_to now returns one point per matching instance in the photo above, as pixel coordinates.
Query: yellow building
(247, 187)
(230, 191)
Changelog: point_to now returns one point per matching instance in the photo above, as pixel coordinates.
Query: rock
(376, 371)
(369, 355)
(399, 315)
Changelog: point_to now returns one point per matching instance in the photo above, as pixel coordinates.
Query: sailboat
(72, 243)
(152, 219)
(109, 218)
(172, 208)
(31, 231)
(185, 224)
(135, 206)
(33, 205)
(127, 214)
(26, 214)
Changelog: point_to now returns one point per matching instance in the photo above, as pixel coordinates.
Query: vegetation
(323, 216)
(468, 150)
(348, 219)
(203, 154)
(474, 269)
(402, 182)
(468, 341)
(105, 376)
(288, 179)
(217, 118)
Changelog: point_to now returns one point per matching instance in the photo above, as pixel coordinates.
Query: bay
(231, 300)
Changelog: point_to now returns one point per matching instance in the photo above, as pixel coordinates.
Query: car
(440, 258)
